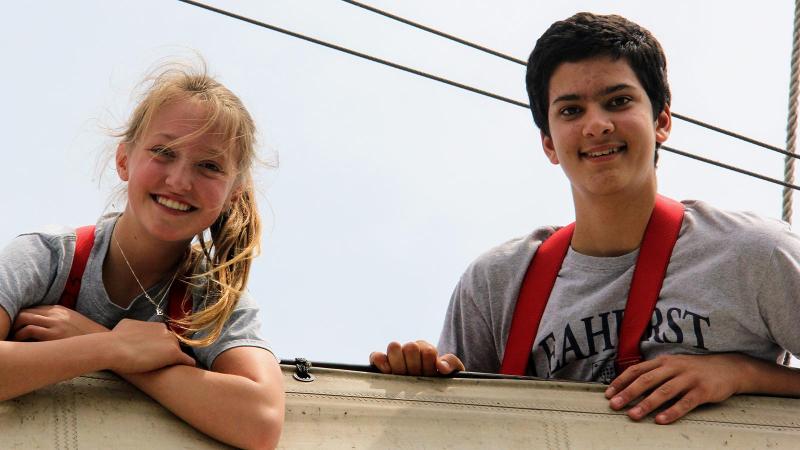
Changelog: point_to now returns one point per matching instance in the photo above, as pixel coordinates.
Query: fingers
(30, 317)
(381, 361)
(32, 333)
(414, 358)
(186, 360)
(428, 356)
(688, 380)
(646, 380)
(397, 361)
(664, 393)
(630, 375)
(448, 364)
(687, 403)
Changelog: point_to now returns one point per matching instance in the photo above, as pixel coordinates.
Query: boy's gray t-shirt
(34, 268)
(732, 285)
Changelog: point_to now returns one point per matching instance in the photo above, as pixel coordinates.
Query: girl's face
(176, 191)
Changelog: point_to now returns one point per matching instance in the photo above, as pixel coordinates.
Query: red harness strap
(84, 241)
(648, 276)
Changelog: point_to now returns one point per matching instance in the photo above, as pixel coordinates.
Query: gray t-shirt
(732, 285)
(34, 268)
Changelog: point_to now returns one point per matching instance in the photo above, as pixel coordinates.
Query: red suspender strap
(176, 309)
(84, 241)
(648, 276)
(533, 298)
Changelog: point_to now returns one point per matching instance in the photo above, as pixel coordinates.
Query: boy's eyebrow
(606, 91)
(615, 88)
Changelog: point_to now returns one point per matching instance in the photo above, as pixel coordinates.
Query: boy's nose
(597, 124)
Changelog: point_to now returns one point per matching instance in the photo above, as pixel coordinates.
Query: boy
(599, 94)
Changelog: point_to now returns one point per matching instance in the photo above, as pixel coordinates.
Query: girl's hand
(144, 346)
(689, 380)
(52, 322)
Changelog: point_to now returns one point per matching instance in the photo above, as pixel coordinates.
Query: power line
(730, 167)
(457, 84)
(436, 32)
(523, 63)
(356, 53)
(735, 135)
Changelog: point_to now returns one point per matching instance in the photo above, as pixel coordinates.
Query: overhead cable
(453, 83)
(522, 62)
(730, 167)
(436, 32)
(356, 53)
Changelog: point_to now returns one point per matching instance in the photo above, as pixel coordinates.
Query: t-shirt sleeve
(779, 294)
(28, 269)
(466, 332)
(240, 330)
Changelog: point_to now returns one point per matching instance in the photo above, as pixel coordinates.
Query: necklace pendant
(159, 311)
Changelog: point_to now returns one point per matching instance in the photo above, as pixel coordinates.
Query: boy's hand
(52, 322)
(415, 358)
(692, 380)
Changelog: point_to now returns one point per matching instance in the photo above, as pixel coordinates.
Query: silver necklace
(162, 293)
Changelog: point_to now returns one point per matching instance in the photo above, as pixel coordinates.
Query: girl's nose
(597, 123)
(179, 177)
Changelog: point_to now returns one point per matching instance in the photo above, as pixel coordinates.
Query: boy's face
(602, 129)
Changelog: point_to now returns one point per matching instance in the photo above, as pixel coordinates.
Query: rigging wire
(477, 90)
(356, 53)
(785, 184)
(436, 32)
(523, 63)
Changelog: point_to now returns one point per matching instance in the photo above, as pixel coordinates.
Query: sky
(388, 185)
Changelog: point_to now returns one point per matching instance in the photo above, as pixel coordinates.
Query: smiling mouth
(606, 152)
(172, 204)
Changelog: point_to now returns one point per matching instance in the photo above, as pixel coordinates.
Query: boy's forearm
(27, 366)
(230, 408)
(765, 377)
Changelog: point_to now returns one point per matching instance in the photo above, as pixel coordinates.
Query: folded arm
(240, 401)
(131, 347)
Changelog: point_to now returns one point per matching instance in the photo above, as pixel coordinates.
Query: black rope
(735, 135)
(729, 167)
(358, 54)
(521, 62)
(437, 32)
(486, 93)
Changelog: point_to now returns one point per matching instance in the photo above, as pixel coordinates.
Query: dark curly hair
(586, 35)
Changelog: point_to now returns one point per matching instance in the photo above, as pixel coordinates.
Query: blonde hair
(218, 264)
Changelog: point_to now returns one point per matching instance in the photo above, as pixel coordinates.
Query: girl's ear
(122, 161)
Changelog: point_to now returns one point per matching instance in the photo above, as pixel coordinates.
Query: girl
(186, 155)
